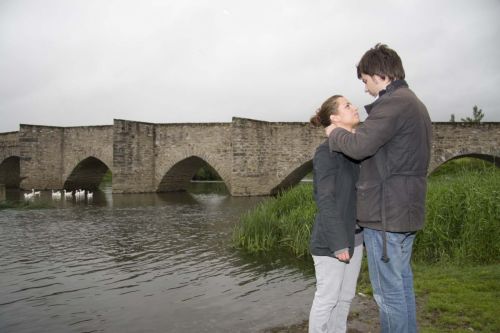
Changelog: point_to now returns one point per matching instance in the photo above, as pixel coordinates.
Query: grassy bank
(452, 297)
(462, 218)
(456, 255)
(457, 298)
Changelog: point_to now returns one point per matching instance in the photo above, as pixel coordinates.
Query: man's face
(372, 84)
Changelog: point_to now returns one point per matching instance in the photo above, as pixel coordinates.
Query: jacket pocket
(369, 196)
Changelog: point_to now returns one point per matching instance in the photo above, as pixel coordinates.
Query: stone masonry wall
(133, 157)
(254, 162)
(9, 145)
(452, 140)
(253, 157)
(87, 141)
(192, 145)
(266, 153)
(295, 146)
(40, 149)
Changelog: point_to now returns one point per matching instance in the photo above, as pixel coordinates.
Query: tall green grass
(281, 222)
(463, 215)
(462, 221)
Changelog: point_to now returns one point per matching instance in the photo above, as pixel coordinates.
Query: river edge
(363, 318)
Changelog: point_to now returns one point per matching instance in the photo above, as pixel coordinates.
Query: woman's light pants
(335, 289)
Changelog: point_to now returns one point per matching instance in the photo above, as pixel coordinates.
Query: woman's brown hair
(322, 116)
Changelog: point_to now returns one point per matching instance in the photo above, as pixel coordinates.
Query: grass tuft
(281, 222)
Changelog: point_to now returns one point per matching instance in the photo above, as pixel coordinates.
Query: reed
(462, 218)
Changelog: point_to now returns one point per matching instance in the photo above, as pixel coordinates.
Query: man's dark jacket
(394, 144)
(334, 179)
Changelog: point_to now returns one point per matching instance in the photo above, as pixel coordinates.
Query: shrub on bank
(462, 221)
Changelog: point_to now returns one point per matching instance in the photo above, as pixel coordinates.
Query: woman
(336, 243)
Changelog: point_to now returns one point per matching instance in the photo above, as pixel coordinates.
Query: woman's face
(347, 115)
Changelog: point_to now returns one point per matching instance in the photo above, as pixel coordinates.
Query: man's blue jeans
(392, 282)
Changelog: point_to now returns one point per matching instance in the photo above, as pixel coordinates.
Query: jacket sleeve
(327, 170)
(380, 126)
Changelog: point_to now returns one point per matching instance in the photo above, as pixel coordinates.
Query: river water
(141, 263)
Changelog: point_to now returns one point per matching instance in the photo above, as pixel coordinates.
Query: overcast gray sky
(85, 62)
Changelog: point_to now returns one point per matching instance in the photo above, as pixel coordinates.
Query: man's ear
(378, 79)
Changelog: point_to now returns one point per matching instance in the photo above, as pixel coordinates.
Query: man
(394, 146)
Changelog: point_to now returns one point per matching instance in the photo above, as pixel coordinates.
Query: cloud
(86, 62)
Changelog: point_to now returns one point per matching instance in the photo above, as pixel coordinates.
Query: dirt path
(363, 318)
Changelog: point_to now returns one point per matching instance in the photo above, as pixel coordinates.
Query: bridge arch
(86, 175)
(10, 172)
(293, 177)
(492, 158)
(180, 174)
(485, 157)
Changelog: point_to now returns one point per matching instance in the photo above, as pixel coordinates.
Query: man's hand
(330, 128)
(344, 256)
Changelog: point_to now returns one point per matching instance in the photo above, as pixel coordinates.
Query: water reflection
(141, 263)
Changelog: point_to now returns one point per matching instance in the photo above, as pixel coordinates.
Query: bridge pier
(40, 154)
(133, 157)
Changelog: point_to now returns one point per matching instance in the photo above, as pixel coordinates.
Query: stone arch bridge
(252, 157)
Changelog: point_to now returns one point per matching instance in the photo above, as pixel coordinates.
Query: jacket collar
(393, 86)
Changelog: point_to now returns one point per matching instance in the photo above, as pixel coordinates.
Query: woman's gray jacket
(334, 179)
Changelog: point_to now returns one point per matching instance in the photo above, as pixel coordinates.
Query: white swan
(56, 195)
(28, 196)
(80, 194)
(68, 195)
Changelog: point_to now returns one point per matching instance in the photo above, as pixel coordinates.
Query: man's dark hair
(382, 61)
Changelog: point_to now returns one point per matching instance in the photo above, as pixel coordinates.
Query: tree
(477, 115)
(452, 118)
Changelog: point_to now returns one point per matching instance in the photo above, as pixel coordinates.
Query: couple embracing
(369, 186)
